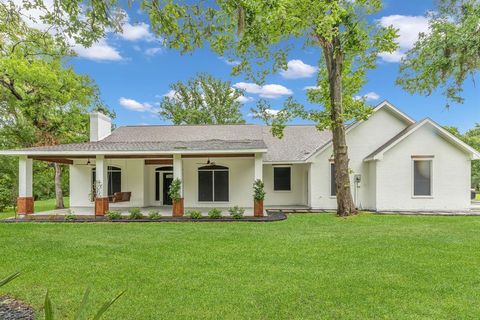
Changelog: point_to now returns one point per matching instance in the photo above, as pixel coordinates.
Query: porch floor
(164, 211)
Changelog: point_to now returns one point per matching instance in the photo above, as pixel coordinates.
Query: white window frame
(422, 158)
(213, 185)
(273, 178)
(330, 163)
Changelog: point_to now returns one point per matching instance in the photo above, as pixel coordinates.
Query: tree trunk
(334, 62)
(58, 187)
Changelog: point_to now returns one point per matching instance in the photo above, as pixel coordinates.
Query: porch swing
(121, 196)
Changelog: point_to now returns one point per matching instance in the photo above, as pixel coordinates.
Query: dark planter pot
(178, 208)
(258, 208)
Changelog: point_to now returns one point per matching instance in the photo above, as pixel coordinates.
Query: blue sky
(134, 72)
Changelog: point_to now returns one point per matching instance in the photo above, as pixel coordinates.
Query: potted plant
(175, 195)
(258, 197)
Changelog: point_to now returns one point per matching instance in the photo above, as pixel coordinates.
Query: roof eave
(126, 153)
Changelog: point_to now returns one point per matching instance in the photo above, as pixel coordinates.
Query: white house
(397, 164)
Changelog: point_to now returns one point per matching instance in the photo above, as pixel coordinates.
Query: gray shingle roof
(297, 144)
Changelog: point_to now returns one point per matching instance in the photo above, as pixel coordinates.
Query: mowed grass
(311, 266)
(40, 205)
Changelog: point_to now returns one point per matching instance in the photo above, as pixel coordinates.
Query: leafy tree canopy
(448, 55)
(202, 100)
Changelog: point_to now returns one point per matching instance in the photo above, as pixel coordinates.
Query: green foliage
(258, 190)
(113, 215)
(215, 213)
(448, 55)
(202, 100)
(135, 213)
(154, 215)
(174, 190)
(194, 214)
(236, 212)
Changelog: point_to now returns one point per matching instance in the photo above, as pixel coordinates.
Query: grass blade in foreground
(83, 305)
(107, 305)
(48, 308)
(9, 278)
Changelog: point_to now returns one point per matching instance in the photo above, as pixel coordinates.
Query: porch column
(258, 175)
(25, 196)
(178, 206)
(101, 186)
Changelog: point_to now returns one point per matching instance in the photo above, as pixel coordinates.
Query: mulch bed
(277, 216)
(12, 309)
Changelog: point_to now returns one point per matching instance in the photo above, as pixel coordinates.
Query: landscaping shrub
(135, 213)
(259, 190)
(194, 214)
(70, 216)
(113, 215)
(154, 215)
(236, 212)
(215, 213)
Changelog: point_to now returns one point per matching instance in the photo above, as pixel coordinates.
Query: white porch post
(258, 175)
(178, 170)
(25, 195)
(258, 166)
(178, 205)
(25, 177)
(101, 181)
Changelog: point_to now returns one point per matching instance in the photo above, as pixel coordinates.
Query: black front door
(167, 180)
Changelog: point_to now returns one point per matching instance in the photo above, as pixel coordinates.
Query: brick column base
(25, 205)
(178, 209)
(258, 208)
(101, 206)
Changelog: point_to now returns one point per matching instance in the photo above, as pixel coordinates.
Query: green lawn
(41, 205)
(307, 267)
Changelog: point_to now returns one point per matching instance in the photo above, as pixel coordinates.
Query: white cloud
(136, 32)
(311, 87)
(99, 51)
(297, 69)
(229, 62)
(271, 91)
(135, 105)
(153, 51)
(244, 99)
(369, 96)
(409, 28)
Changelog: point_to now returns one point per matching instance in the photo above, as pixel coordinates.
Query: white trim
(447, 135)
(273, 174)
(431, 195)
(381, 105)
(125, 153)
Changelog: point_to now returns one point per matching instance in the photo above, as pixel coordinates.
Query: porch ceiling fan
(89, 163)
(208, 163)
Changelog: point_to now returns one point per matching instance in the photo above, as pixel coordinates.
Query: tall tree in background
(448, 55)
(259, 34)
(42, 102)
(202, 100)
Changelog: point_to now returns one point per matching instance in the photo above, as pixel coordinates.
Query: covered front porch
(104, 182)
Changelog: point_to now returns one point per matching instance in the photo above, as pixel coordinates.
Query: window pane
(281, 179)
(422, 178)
(333, 182)
(114, 182)
(205, 186)
(221, 185)
(157, 186)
